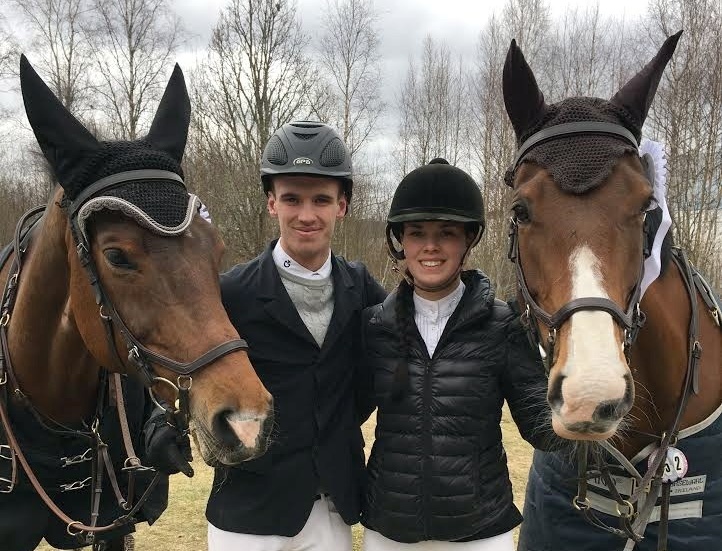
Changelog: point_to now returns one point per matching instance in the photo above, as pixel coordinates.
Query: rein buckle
(76, 485)
(74, 460)
(580, 503)
(7, 485)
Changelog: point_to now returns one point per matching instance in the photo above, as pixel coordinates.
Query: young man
(298, 305)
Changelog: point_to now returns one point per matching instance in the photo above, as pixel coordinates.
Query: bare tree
(60, 48)
(133, 42)
(491, 138)
(256, 78)
(529, 22)
(432, 108)
(493, 145)
(9, 49)
(590, 54)
(687, 116)
(350, 56)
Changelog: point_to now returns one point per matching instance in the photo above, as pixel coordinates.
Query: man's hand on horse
(168, 450)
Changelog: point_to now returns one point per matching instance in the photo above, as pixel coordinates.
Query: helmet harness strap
(398, 255)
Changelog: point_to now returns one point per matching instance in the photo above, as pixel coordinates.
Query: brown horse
(151, 305)
(643, 374)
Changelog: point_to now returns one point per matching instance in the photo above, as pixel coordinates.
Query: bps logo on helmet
(304, 161)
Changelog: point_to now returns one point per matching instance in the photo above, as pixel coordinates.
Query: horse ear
(636, 95)
(523, 100)
(169, 130)
(64, 140)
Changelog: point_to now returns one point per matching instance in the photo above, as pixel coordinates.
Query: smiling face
(434, 250)
(307, 208)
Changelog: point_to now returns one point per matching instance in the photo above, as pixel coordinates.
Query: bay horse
(116, 276)
(634, 380)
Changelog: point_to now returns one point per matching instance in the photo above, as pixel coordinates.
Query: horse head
(136, 272)
(581, 193)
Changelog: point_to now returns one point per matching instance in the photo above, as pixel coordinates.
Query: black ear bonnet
(142, 179)
(579, 161)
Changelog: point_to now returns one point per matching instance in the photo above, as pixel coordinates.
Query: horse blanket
(61, 461)
(551, 523)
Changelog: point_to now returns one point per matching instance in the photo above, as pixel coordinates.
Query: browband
(571, 128)
(119, 178)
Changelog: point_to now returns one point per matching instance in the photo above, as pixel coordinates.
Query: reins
(100, 458)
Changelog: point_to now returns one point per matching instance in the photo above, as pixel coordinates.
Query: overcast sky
(403, 24)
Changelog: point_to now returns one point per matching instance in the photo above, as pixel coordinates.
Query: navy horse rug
(551, 523)
(62, 459)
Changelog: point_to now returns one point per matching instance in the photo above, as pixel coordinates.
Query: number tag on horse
(675, 466)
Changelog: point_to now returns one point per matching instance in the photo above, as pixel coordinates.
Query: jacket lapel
(275, 299)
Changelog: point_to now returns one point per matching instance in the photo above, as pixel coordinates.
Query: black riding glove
(167, 449)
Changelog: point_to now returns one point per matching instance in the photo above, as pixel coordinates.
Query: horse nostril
(554, 394)
(222, 430)
(611, 410)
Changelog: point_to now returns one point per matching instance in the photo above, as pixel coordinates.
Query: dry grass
(183, 526)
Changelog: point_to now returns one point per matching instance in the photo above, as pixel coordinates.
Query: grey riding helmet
(436, 191)
(307, 147)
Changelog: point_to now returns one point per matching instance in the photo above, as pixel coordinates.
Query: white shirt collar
(284, 261)
(439, 309)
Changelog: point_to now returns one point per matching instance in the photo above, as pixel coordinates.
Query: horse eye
(521, 213)
(119, 259)
(650, 204)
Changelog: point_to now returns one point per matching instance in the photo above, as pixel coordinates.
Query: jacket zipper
(427, 440)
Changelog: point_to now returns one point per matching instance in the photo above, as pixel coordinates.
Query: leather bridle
(631, 318)
(634, 511)
(139, 357)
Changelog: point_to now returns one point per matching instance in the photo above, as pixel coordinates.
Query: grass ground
(183, 526)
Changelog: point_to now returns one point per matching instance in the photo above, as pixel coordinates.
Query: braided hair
(404, 310)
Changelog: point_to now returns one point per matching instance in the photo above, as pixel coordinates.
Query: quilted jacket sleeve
(524, 384)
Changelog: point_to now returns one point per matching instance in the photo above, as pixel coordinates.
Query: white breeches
(324, 530)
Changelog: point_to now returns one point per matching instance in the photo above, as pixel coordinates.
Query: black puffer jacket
(438, 468)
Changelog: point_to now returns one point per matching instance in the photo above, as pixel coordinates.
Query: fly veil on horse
(116, 271)
(635, 379)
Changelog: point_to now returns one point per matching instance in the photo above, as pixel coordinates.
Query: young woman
(442, 355)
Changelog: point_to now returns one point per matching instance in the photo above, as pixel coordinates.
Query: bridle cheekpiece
(631, 319)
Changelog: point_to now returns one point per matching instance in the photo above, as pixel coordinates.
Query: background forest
(108, 61)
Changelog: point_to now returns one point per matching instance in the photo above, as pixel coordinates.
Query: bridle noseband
(631, 319)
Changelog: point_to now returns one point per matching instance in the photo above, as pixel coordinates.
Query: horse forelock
(580, 163)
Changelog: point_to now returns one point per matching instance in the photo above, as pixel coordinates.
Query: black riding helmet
(307, 147)
(437, 191)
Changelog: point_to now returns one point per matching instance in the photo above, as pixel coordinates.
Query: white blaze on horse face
(594, 367)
